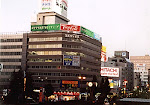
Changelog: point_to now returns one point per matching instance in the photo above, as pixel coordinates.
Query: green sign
(87, 32)
(45, 27)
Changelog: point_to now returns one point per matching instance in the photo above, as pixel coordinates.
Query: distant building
(142, 66)
(124, 54)
(10, 56)
(125, 68)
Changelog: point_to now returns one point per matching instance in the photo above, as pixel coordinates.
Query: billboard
(67, 84)
(71, 60)
(58, 6)
(109, 72)
(67, 27)
(113, 83)
(49, 27)
(87, 32)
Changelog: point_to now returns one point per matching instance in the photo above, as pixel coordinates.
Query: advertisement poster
(71, 60)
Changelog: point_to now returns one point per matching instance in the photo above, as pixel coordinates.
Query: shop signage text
(70, 27)
(109, 72)
(68, 93)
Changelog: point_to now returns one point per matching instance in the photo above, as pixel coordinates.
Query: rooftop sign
(49, 27)
(58, 6)
(65, 27)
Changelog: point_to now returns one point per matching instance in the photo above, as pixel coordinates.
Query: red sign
(109, 72)
(68, 93)
(69, 82)
(69, 27)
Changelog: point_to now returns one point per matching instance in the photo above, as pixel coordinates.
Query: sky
(122, 24)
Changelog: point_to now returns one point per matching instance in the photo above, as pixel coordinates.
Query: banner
(109, 72)
(45, 27)
(70, 27)
(87, 32)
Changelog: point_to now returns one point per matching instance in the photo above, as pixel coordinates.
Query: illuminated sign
(68, 93)
(109, 72)
(67, 84)
(70, 27)
(70, 60)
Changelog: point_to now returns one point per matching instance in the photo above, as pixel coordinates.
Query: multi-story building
(10, 56)
(142, 66)
(56, 52)
(121, 61)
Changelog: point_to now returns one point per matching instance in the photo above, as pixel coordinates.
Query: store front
(66, 96)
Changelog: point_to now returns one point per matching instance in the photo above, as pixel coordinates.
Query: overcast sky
(122, 24)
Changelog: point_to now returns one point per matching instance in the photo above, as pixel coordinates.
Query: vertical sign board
(103, 54)
(70, 60)
(1, 67)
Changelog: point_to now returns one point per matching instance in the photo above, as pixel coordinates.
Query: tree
(104, 90)
(49, 90)
(29, 85)
(16, 88)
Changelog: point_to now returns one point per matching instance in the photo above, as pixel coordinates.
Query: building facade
(10, 56)
(48, 54)
(55, 52)
(125, 69)
(142, 66)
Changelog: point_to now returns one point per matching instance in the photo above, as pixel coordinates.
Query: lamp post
(81, 79)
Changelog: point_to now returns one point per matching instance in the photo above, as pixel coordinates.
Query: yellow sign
(103, 48)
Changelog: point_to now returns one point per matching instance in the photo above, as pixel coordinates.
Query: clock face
(124, 54)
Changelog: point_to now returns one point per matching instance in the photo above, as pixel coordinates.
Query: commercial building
(10, 56)
(54, 52)
(55, 55)
(121, 61)
(142, 66)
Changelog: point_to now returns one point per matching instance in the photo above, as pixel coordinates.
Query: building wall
(50, 18)
(125, 68)
(10, 55)
(45, 57)
(142, 60)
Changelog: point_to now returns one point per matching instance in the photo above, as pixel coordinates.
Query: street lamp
(81, 78)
